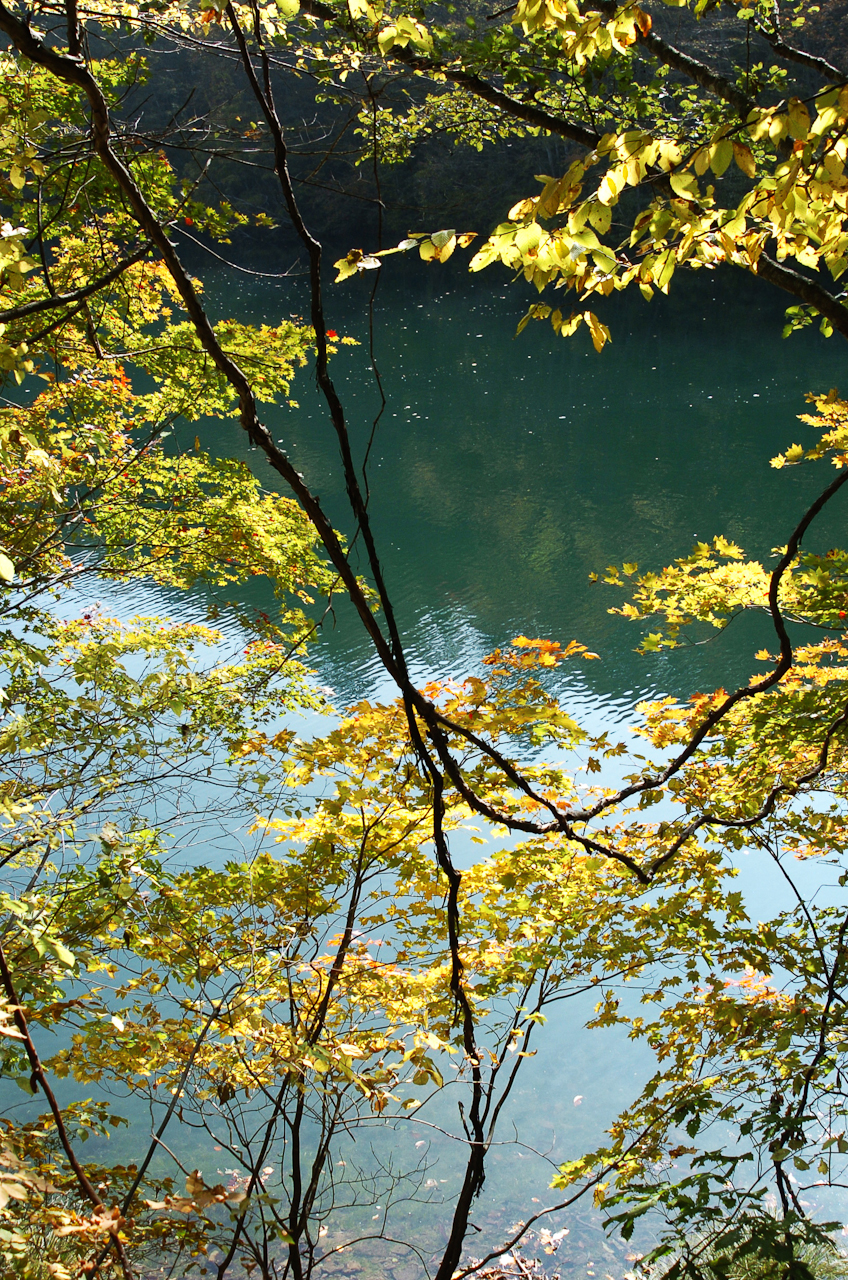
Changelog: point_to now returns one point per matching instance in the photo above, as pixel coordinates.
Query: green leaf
(721, 156)
(63, 955)
(600, 216)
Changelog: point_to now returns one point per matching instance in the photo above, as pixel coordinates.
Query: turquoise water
(502, 472)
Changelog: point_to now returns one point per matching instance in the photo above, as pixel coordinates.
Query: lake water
(503, 471)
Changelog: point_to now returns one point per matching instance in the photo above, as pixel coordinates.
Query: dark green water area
(505, 470)
(502, 472)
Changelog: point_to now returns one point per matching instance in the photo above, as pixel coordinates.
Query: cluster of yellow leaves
(435, 247)
(831, 419)
(14, 263)
(544, 653)
(800, 206)
(46, 1231)
(7, 1023)
(99, 1223)
(585, 35)
(273, 17)
(76, 481)
(14, 356)
(18, 128)
(566, 326)
(16, 1179)
(709, 585)
(715, 582)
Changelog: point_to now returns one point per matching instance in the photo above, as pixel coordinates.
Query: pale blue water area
(502, 472)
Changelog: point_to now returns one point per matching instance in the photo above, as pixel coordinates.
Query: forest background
(348, 975)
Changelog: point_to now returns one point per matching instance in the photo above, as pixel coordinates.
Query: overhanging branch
(75, 295)
(815, 295)
(692, 68)
(476, 85)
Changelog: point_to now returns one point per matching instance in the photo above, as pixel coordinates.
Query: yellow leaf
(744, 158)
(685, 185)
(352, 1050)
(600, 333)
(799, 119)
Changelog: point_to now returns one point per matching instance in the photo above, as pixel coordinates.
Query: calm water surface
(502, 472)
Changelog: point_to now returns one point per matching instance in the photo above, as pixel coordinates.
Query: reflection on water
(502, 473)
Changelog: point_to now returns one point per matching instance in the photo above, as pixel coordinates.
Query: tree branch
(806, 289)
(668, 54)
(76, 295)
(775, 39)
(688, 66)
(527, 111)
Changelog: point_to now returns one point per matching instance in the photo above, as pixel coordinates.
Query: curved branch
(744, 691)
(767, 807)
(788, 51)
(527, 111)
(75, 295)
(265, 99)
(807, 290)
(690, 67)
